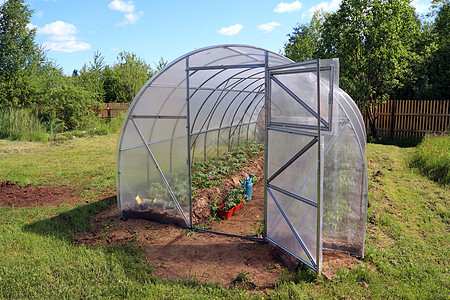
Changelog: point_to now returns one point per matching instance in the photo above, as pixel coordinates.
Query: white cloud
(331, 6)
(420, 6)
(231, 30)
(58, 30)
(66, 46)
(31, 26)
(122, 6)
(287, 7)
(268, 27)
(61, 37)
(130, 16)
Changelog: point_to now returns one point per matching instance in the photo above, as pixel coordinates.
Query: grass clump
(432, 157)
(21, 124)
(27, 125)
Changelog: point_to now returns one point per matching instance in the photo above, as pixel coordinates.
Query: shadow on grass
(407, 142)
(68, 224)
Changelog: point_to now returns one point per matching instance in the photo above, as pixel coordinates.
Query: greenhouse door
(293, 185)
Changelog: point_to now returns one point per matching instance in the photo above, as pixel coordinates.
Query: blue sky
(72, 31)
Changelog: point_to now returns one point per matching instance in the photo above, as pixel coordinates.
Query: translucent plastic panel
(129, 136)
(300, 178)
(152, 199)
(173, 75)
(224, 140)
(352, 112)
(211, 144)
(283, 146)
(143, 191)
(304, 86)
(343, 202)
(302, 219)
(161, 101)
(198, 147)
(133, 176)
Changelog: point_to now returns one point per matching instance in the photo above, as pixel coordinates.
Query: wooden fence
(395, 118)
(411, 118)
(111, 110)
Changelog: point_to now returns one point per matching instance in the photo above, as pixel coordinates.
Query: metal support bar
(300, 101)
(156, 117)
(308, 127)
(293, 159)
(291, 71)
(299, 239)
(294, 255)
(188, 130)
(287, 193)
(292, 131)
(248, 66)
(166, 183)
(319, 178)
(266, 135)
(298, 64)
(228, 90)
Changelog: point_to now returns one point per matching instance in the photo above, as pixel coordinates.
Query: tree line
(385, 50)
(28, 79)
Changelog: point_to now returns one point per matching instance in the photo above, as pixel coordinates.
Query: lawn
(407, 239)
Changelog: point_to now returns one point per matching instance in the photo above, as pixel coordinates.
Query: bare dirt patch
(15, 195)
(179, 253)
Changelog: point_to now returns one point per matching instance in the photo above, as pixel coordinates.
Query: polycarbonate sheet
(130, 137)
(144, 192)
(133, 175)
(282, 234)
(153, 200)
(351, 111)
(344, 205)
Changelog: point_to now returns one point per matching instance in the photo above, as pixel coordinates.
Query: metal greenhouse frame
(215, 98)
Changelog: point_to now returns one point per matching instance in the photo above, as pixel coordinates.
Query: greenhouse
(213, 99)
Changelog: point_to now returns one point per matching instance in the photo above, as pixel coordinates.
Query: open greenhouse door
(297, 111)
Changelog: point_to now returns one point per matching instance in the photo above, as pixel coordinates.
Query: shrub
(432, 157)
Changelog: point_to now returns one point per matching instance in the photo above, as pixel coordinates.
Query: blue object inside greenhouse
(248, 184)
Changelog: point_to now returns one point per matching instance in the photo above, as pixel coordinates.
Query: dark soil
(15, 195)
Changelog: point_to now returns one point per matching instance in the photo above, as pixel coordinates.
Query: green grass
(432, 157)
(407, 241)
(86, 163)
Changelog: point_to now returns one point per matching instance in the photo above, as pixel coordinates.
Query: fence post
(393, 110)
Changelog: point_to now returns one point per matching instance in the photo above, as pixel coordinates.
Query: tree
(304, 40)
(91, 77)
(374, 41)
(19, 54)
(126, 77)
(440, 65)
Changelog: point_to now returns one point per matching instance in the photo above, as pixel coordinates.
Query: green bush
(70, 106)
(432, 157)
(21, 124)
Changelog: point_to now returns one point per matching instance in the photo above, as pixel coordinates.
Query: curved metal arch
(219, 100)
(241, 121)
(238, 108)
